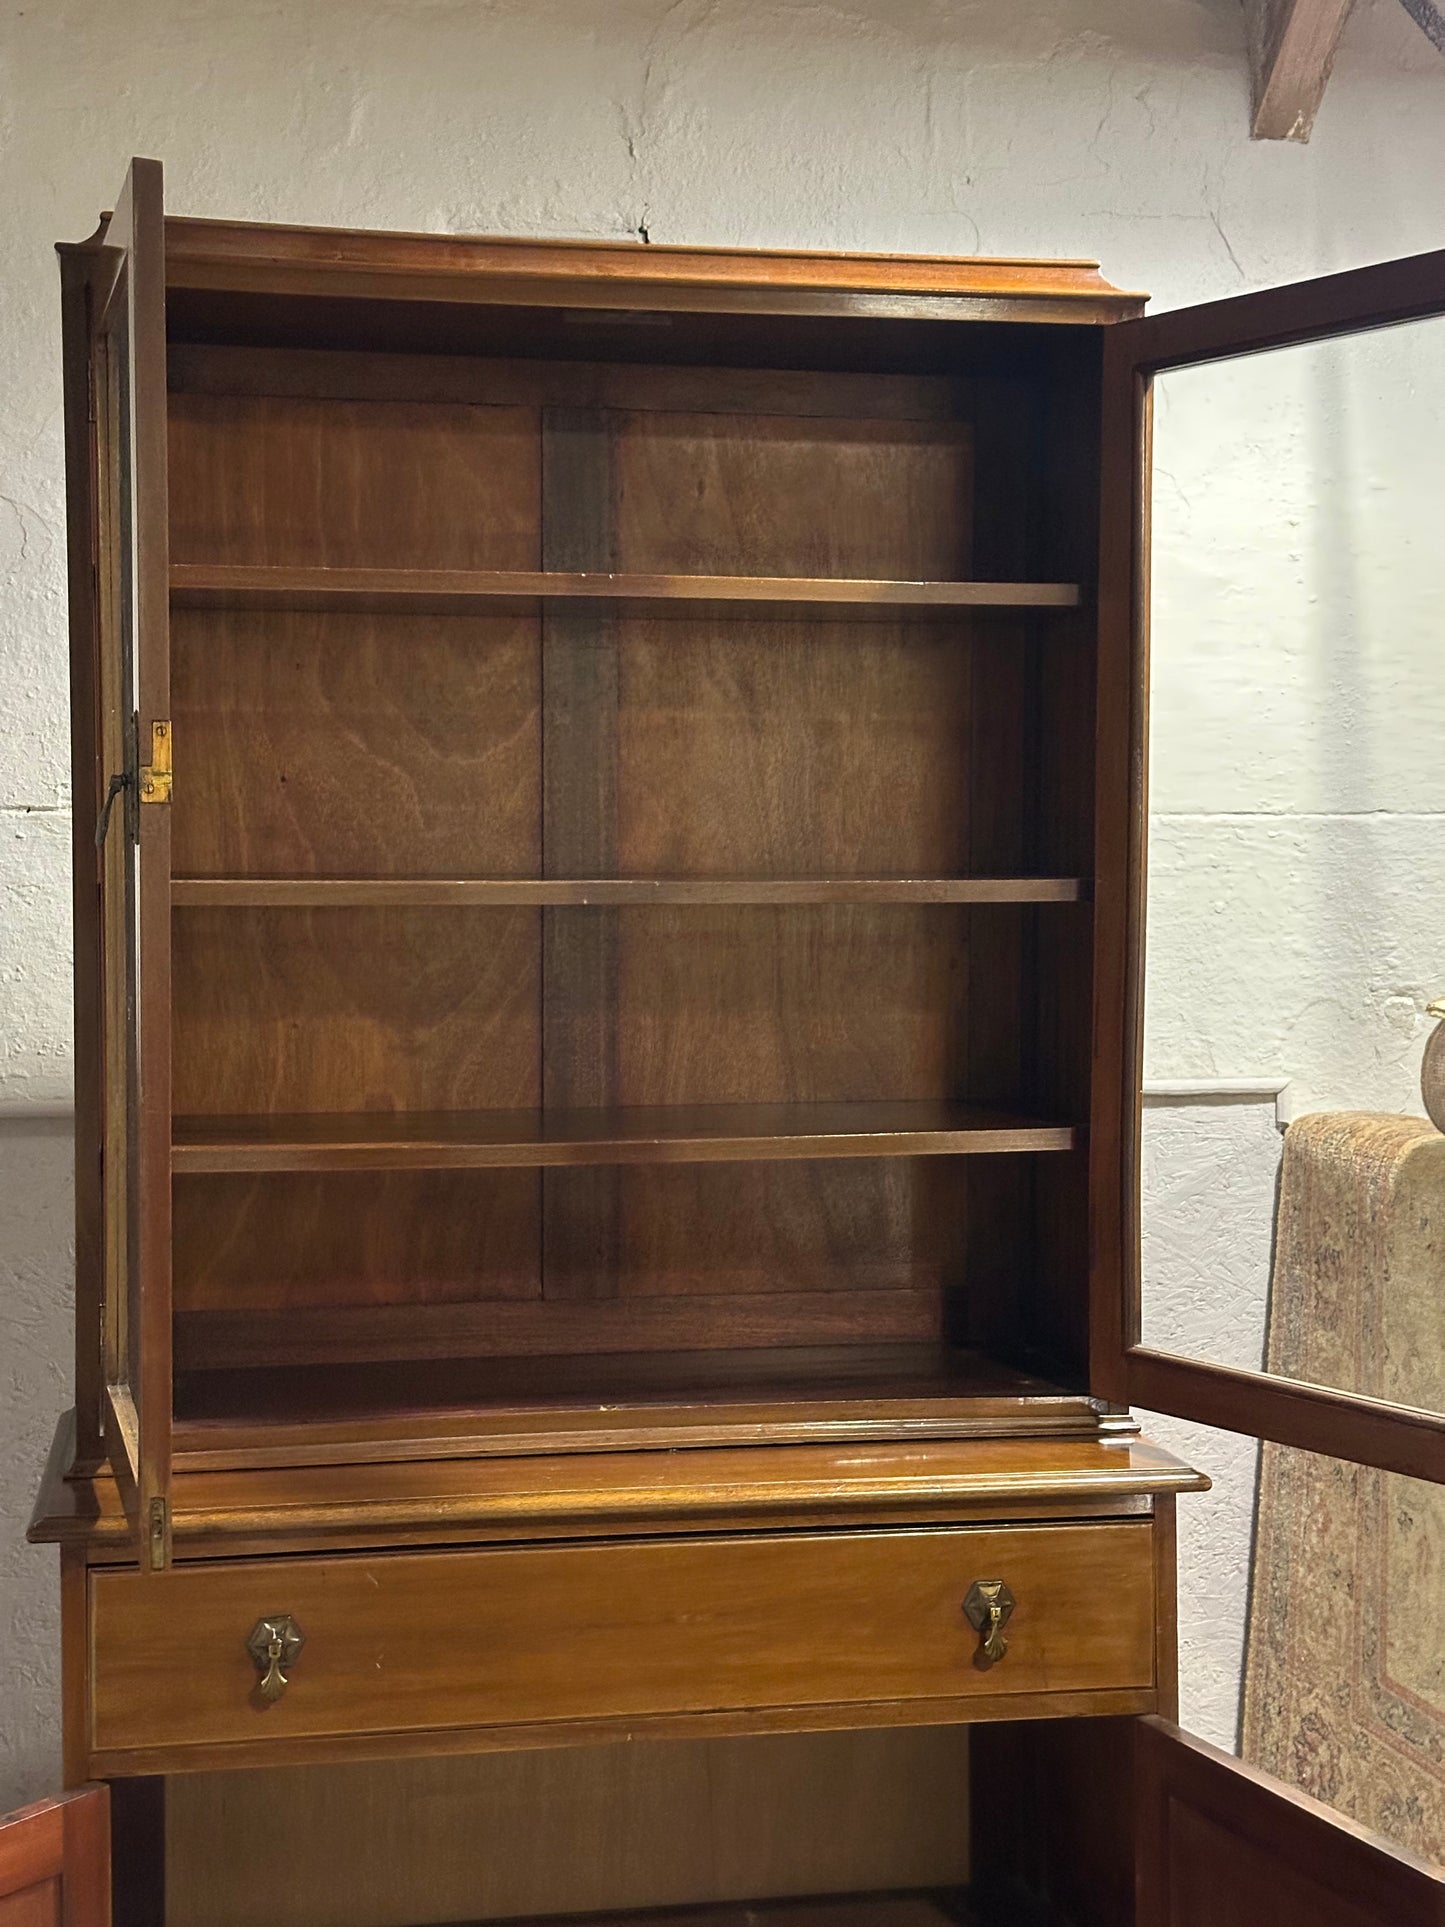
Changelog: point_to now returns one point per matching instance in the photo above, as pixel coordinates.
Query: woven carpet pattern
(1344, 1689)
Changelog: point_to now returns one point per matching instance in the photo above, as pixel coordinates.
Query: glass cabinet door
(1269, 1216)
(127, 385)
(1273, 658)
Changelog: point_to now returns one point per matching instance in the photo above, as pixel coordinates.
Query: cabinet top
(219, 1511)
(254, 257)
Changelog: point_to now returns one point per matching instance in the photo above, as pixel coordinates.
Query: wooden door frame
(1314, 1418)
(1173, 1770)
(124, 269)
(66, 1840)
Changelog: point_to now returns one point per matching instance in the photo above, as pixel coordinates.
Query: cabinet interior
(632, 839)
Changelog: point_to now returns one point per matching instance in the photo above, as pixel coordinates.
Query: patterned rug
(1344, 1690)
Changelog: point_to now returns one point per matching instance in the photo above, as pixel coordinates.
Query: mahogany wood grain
(371, 746)
(412, 1334)
(224, 1508)
(714, 494)
(781, 749)
(618, 1631)
(1166, 1604)
(625, 1134)
(295, 265)
(1324, 307)
(352, 892)
(55, 1862)
(774, 748)
(1219, 1841)
(992, 1051)
(441, 591)
(580, 693)
(304, 485)
(287, 1242)
(376, 1845)
(1337, 1424)
(319, 374)
(88, 787)
(442, 1743)
(755, 1005)
(34, 1906)
(1054, 1316)
(253, 244)
(285, 1011)
(133, 582)
(1118, 887)
(596, 1398)
(756, 473)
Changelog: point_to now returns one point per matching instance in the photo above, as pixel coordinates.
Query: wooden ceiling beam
(1291, 51)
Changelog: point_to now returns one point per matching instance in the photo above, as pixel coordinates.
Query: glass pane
(1312, 1626)
(1296, 904)
(120, 863)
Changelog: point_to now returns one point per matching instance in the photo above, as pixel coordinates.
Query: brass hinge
(160, 1535)
(155, 776)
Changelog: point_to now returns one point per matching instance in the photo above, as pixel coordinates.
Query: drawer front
(404, 1642)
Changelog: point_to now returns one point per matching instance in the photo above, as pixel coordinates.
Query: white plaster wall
(1108, 127)
(1210, 1166)
(1297, 875)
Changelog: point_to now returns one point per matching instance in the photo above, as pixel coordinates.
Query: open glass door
(1221, 1843)
(128, 381)
(1269, 1239)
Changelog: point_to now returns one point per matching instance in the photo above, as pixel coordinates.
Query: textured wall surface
(1210, 1166)
(1115, 128)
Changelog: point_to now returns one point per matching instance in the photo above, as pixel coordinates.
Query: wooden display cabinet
(606, 907)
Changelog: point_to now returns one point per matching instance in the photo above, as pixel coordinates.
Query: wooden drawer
(652, 1631)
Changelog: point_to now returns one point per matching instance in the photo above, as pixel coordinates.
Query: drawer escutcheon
(274, 1645)
(988, 1606)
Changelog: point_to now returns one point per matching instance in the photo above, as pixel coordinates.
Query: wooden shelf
(525, 592)
(814, 1383)
(242, 1397)
(474, 1140)
(236, 892)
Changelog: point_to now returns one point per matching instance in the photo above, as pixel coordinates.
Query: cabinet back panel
(574, 744)
(355, 1238)
(353, 484)
(712, 1257)
(812, 1003)
(354, 1010)
(342, 1238)
(355, 745)
(716, 494)
(364, 745)
(389, 1843)
(705, 1230)
(317, 374)
(792, 748)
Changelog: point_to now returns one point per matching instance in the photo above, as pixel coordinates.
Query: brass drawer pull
(988, 1606)
(274, 1644)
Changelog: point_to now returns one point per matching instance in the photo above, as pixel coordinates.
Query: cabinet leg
(138, 1852)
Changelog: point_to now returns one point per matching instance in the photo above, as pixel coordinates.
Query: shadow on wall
(37, 1264)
